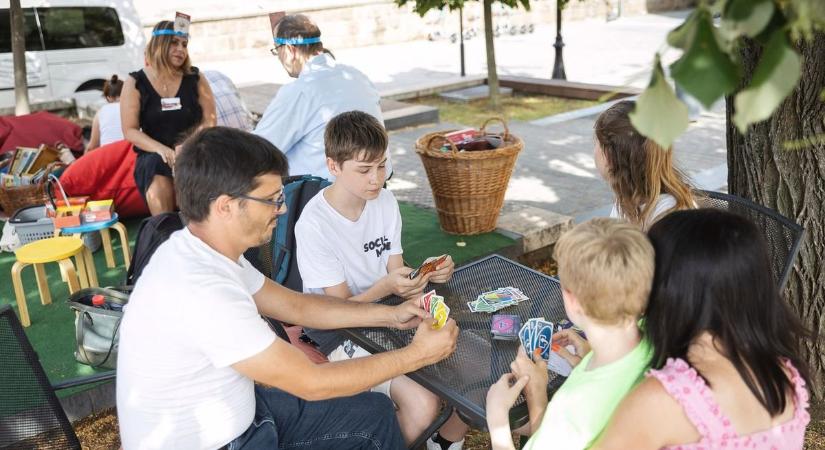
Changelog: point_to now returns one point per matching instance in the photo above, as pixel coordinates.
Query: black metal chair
(30, 414)
(783, 236)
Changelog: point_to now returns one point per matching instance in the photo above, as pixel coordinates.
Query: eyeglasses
(277, 203)
(274, 50)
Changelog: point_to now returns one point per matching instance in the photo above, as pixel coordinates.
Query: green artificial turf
(52, 330)
(421, 237)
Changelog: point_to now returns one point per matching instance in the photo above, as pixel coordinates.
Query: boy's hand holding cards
(434, 304)
(427, 267)
(537, 339)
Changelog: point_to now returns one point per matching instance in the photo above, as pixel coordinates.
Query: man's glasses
(277, 203)
(274, 50)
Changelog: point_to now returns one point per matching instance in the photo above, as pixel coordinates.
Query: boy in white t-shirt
(348, 242)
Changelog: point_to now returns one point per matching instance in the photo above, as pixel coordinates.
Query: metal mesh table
(464, 378)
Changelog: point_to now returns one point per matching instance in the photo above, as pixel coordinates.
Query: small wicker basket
(468, 186)
(13, 198)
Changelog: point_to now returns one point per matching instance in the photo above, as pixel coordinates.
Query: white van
(71, 46)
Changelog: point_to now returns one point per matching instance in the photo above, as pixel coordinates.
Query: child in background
(605, 270)
(727, 371)
(106, 126)
(639, 171)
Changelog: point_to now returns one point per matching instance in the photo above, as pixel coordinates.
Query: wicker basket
(13, 198)
(468, 186)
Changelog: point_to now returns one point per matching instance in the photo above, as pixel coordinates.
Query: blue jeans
(284, 421)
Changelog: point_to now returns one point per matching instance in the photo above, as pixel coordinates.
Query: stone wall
(245, 33)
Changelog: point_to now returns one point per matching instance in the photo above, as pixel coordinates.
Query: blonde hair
(608, 265)
(157, 50)
(639, 169)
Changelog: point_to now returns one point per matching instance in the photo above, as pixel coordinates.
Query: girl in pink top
(726, 371)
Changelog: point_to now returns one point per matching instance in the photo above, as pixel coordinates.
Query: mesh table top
(464, 378)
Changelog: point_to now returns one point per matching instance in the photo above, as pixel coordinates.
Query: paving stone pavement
(556, 170)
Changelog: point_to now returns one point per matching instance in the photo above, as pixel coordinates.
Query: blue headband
(297, 40)
(168, 32)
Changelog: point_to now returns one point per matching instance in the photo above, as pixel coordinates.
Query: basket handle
(498, 119)
(441, 136)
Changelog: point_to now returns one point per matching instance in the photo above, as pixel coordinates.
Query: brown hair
(112, 87)
(608, 265)
(639, 169)
(157, 51)
(355, 135)
(299, 26)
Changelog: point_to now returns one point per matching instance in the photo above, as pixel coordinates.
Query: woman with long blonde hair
(639, 171)
(160, 106)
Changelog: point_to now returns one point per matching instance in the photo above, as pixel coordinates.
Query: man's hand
(407, 315)
(444, 271)
(570, 337)
(536, 371)
(434, 345)
(399, 283)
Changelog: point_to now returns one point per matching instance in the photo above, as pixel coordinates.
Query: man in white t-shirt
(195, 354)
(348, 241)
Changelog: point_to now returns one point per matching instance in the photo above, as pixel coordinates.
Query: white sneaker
(432, 445)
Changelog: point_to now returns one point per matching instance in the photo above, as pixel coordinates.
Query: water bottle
(99, 302)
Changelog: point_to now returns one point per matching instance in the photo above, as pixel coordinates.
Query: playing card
(424, 301)
(441, 313)
(434, 301)
(558, 364)
(543, 337)
(526, 337)
(427, 267)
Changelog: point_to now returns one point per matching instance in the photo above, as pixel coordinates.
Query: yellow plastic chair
(59, 250)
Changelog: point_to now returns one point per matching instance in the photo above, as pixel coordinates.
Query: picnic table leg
(446, 412)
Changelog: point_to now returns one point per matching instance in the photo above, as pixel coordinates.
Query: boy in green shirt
(606, 271)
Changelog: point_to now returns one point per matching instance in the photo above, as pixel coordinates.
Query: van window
(29, 26)
(66, 28)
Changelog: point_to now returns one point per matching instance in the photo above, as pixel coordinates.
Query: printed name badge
(170, 104)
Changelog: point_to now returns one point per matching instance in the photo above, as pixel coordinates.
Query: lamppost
(461, 37)
(558, 65)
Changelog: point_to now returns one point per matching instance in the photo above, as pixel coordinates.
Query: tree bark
(18, 48)
(791, 182)
(492, 75)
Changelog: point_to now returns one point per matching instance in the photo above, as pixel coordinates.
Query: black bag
(97, 327)
(152, 232)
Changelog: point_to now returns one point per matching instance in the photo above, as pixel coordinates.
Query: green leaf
(681, 36)
(704, 70)
(775, 77)
(659, 115)
(748, 17)
(805, 17)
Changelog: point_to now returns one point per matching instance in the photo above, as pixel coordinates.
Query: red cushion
(41, 127)
(107, 172)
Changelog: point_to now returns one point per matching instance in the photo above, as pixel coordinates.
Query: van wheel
(91, 85)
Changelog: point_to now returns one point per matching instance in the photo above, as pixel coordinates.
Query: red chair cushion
(41, 127)
(107, 172)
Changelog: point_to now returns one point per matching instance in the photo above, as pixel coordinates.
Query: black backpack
(152, 232)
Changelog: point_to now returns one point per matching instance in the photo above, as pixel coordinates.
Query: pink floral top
(689, 389)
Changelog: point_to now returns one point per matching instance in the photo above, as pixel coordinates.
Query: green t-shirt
(581, 408)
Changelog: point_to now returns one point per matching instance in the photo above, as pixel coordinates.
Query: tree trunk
(791, 182)
(492, 75)
(18, 48)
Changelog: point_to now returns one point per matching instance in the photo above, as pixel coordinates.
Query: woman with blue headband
(296, 118)
(160, 106)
